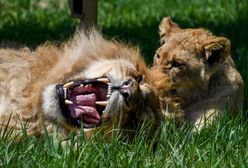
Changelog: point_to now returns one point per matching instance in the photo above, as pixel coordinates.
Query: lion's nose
(126, 88)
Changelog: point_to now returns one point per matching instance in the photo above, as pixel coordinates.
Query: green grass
(224, 144)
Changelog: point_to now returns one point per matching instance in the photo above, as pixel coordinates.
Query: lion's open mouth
(84, 101)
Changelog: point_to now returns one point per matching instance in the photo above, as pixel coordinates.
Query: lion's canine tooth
(67, 85)
(104, 80)
(101, 103)
(68, 102)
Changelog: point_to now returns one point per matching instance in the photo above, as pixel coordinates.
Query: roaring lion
(202, 71)
(88, 83)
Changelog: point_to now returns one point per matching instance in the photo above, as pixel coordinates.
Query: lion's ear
(216, 50)
(167, 26)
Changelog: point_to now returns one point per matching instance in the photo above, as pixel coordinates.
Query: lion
(88, 83)
(202, 72)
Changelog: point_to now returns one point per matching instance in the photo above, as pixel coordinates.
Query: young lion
(88, 83)
(201, 69)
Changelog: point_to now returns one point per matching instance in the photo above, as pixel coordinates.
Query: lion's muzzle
(126, 89)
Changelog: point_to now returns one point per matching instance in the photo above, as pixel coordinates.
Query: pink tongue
(83, 107)
(89, 115)
(85, 100)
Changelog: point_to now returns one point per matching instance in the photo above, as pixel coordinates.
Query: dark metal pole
(85, 10)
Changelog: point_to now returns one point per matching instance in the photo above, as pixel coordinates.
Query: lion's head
(100, 83)
(190, 57)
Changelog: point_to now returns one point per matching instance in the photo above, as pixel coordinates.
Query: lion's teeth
(67, 85)
(89, 85)
(101, 103)
(109, 88)
(68, 102)
(65, 91)
(104, 80)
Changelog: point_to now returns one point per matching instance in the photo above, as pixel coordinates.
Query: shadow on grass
(32, 33)
(146, 37)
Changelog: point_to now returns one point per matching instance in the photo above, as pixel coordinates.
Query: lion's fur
(201, 69)
(25, 74)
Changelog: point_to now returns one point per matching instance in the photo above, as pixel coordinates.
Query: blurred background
(136, 21)
(32, 22)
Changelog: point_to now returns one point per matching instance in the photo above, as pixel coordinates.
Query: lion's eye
(139, 78)
(157, 57)
(176, 64)
(162, 42)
